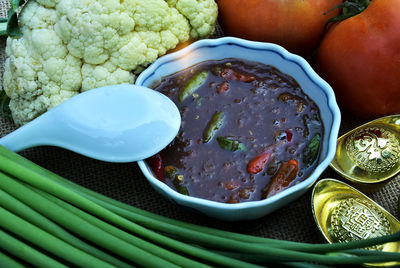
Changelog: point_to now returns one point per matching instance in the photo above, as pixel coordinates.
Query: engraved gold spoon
(370, 154)
(344, 214)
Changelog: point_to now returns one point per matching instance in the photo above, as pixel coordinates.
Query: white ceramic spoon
(120, 123)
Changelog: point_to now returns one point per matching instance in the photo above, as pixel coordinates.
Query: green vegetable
(179, 185)
(177, 179)
(44, 240)
(213, 126)
(4, 105)
(192, 85)
(89, 215)
(10, 25)
(230, 144)
(311, 151)
(20, 209)
(170, 172)
(6, 261)
(3, 26)
(25, 252)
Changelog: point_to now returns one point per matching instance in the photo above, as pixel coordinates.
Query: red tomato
(360, 58)
(297, 25)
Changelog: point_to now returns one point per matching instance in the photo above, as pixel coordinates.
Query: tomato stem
(349, 8)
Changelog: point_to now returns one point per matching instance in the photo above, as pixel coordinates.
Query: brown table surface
(126, 183)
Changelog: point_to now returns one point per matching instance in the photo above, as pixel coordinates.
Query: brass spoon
(344, 214)
(370, 154)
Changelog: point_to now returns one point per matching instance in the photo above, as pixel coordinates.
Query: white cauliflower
(70, 46)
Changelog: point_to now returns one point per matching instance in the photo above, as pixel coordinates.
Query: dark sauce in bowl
(248, 132)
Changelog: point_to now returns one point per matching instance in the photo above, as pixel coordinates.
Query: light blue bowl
(271, 54)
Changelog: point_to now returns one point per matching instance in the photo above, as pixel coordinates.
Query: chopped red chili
(289, 135)
(286, 173)
(157, 165)
(258, 163)
(231, 74)
(223, 87)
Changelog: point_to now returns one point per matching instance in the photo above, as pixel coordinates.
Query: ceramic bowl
(267, 53)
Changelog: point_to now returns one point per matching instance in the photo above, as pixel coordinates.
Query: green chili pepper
(170, 172)
(310, 153)
(230, 144)
(192, 85)
(213, 126)
(179, 185)
(177, 179)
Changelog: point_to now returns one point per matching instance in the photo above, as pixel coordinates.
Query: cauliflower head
(70, 46)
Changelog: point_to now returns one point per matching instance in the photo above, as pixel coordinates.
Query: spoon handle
(27, 136)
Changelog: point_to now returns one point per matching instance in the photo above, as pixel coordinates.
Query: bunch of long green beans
(48, 221)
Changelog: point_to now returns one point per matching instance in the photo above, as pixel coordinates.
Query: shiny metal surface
(344, 214)
(370, 154)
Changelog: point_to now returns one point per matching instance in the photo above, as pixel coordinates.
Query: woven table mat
(126, 183)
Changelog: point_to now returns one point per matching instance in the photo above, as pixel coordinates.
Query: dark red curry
(248, 132)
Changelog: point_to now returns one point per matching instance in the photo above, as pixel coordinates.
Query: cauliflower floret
(200, 14)
(102, 75)
(70, 46)
(39, 74)
(127, 34)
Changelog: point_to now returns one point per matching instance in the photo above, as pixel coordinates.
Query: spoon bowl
(344, 214)
(370, 154)
(119, 123)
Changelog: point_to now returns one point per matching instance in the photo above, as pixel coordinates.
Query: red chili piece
(223, 87)
(231, 74)
(157, 165)
(289, 135)
(258, 163)
(286, 173)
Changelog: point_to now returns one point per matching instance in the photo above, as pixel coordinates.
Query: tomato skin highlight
(297, 25)
(360, 58)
